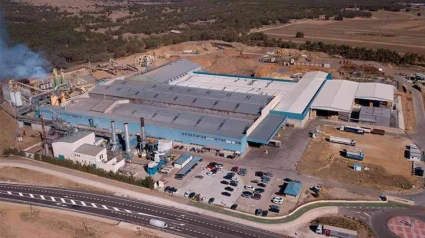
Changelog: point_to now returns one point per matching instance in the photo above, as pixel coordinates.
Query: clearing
(16, 221)
(391, 30)
(29, 177)
(384, 158)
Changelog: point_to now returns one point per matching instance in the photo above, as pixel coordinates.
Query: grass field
(401, 32)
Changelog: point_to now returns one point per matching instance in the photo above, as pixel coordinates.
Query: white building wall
(297, 123)
(67, 149)
(112, 165)
(89, 159)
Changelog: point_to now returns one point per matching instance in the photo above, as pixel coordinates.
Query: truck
(341, 140)
(158, 223)
(356, 155)
(352, 129)
(378, 132)
(335, 231)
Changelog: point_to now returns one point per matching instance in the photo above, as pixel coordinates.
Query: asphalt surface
(379, 221)
(180, 222)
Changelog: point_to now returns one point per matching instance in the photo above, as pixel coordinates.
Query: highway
(183, 223)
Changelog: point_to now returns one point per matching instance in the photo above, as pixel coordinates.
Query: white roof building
(375, 91)
(336, 95)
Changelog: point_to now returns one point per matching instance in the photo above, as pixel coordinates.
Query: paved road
(180, 222)
(379, 221)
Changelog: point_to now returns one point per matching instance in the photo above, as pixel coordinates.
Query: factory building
(79, 147)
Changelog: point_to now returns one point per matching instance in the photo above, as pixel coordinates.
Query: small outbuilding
(182, 161)
(293, 188)
(357, 167)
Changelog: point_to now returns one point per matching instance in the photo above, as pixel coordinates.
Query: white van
(158, 223)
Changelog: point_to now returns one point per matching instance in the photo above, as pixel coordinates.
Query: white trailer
(341, 140)
(158, 223)
(335, 231)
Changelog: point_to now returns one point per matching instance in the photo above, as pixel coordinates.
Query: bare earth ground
(396, 31)
(29, 177)
(408, 110)
(16, 221)
(363, 230)
(384, 156)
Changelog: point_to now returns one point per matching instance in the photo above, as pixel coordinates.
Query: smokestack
(114, 133)
(142, 125)
(127, 138)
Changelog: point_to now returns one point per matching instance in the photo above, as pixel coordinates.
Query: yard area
(384, 158)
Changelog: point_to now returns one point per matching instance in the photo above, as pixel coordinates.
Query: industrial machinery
(144, 61)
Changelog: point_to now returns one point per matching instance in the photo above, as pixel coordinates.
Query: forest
(71, 38)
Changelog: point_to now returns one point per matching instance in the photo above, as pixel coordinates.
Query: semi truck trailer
(352, 129)
(340, 140)
(357, 155)
(335, 231)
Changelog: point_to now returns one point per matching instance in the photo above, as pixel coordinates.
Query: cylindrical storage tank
(18, 99)
(127, 138)
(114, 133)
(13, 97)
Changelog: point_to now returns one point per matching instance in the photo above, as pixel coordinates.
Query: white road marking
(84, 204)
(105, 207)
(94, 205)
(63, 200)
(31, 196)
(73, 202)
(42, 197)
(366, 214)
(128, 211)
(116, 209)
(10, 193)
(53, 199)
(20, 194)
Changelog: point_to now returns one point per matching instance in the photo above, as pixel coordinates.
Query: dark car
(230, 156)
(76, 206)
(268, 174)
(265, 212)
(230, 189)
(233, 183)
(176, 147)
(263, 185)
(235, 169)
(224, 182)
(234, 206)
(276, 210)
(212, 164)
(181, 147)
(246, 194)
(199, 176)
(192, 194)
(254, 181)
(226, 194)
(257, 196)
(172, 190)
(167, 189)
(258, 212)
(259, 174)
(211, 201)
(259, 190)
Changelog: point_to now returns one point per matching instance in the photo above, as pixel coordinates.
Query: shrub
(299, 34)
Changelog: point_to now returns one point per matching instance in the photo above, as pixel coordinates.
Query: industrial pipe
(114, 133)
(142, 125)
(127, 138)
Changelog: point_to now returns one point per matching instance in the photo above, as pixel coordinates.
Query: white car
(203, 199)
(235, 179)
(219, 166)
(250, 188)
(278, 200)
(210, 173)
(186, 194)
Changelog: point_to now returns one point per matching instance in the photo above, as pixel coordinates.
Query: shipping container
(335, 231)
(353, 129)
(357, 155)
(341, 140)
(378, 132)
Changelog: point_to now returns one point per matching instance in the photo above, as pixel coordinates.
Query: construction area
(384, 165)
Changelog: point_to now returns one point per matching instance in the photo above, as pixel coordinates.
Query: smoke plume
(18, 61)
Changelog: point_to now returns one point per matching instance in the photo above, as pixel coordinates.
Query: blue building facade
(103, 121)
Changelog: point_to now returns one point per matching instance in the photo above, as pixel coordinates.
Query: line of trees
(147, 182)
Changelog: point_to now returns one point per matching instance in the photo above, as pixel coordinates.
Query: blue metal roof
(182, 159)
(189, 166)
(293, 188)
(267, 129)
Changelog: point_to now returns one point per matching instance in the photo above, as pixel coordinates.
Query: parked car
(266, 178)
(224, 182)
(230, 189)
(257, 196)
(277, 200)
(176, 147)
(246, 194)
(181, 147)
(192, 149)
(265, 212)
(233, 183)
(242, 173)
(258, 212)
(212, 164)
(211, 201)
(263, 185)
(219, 166)
(268, 174)
(210, 173)
(259, 174)
(226, 194)
(235, 169)
(236, 179)
(199, 176)
(187, 193)
(192, 194)
(203, 199)
(248, 187)
(276, 210)
(254, 181)
(230, 156)
(173, 190)
(259, 190)
(167, 189)
(234, 206)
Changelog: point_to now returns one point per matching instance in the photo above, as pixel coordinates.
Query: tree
(419, 14)
(338, 18)
(299, 34)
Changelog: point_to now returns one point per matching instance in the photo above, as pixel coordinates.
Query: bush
(299, 34)
(338, 18)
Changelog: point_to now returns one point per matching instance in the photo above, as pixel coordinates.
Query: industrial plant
(101, 122)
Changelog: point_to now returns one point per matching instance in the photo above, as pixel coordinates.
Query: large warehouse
(214, 111)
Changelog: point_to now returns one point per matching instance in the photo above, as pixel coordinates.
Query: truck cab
(319, 229)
